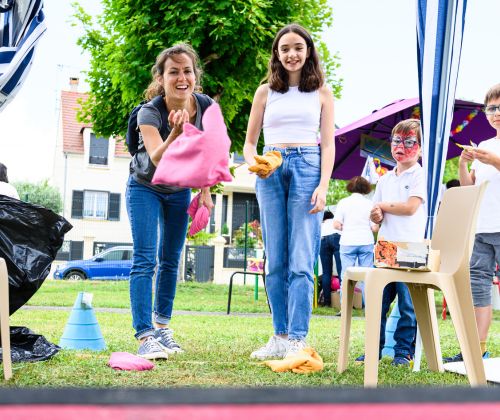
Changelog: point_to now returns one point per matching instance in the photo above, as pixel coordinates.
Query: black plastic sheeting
(30, 236)
(26, 346)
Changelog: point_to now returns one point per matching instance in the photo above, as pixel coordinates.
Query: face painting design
(402, 153)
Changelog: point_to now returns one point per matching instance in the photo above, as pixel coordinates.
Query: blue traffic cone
(390, 328)
(82, 330)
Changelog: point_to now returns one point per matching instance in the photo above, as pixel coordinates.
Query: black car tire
(75, 275)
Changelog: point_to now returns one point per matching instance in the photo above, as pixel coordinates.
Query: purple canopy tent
(348, 159)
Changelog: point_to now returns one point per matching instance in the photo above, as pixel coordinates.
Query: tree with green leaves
(232, 37)
(40, 193)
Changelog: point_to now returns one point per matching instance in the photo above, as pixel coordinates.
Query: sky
(375, 40)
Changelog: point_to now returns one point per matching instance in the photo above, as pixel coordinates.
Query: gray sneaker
(165, 338)
(294, 346)
(276, 347)
(150, 349)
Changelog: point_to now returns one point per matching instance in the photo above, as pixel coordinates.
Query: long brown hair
(155, 88)
(311, 76)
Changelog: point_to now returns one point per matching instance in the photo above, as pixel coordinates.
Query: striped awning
(440, 27)
(21, 26)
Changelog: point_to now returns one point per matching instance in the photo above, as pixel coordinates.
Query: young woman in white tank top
(292, 108)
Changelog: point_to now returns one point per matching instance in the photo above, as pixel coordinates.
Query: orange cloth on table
(305, 361)
(267, 163)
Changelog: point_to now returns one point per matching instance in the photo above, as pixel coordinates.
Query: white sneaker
(294, 346)
(276, 347)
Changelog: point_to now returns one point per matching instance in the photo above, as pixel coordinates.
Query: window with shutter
(114, 207)
(98, 152)
(95, 204)
(77, 205)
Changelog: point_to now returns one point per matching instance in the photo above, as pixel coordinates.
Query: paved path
(196, 313)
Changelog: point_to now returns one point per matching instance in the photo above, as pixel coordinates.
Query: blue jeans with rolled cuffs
(159, 224)
(291, 236)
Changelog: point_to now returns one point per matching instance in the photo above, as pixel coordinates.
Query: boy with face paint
(399, 209)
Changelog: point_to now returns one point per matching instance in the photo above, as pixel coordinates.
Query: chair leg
(373, 310)
(4, 321)
(427, 323)
(464, 320)
(345, 323)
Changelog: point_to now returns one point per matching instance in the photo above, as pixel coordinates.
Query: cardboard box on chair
(402, 255)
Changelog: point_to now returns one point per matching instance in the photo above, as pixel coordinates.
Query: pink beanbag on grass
(129, 361)
(200, 216)
(197, 159)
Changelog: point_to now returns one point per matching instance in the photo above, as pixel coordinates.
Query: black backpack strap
(204, 100)
(159, 104)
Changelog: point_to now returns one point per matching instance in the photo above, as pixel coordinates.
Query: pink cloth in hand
(199, 215)
(196, 158)
(193, 206)
(129, 361)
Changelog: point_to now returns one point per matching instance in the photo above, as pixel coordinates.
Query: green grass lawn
(217, 346)
(191, 296)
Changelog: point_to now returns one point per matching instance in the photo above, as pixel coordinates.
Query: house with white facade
(91, 173)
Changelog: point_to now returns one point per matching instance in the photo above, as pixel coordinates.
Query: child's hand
(467, 155)
(486, 157)
(376, 214)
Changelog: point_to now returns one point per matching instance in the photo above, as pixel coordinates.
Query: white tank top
(292, 117)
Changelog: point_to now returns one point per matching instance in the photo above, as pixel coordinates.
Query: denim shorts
(485, 256)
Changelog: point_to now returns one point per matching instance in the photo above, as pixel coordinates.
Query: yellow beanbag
(305, 361)
(267, 163)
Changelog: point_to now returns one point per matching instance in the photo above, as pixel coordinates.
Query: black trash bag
(26, 346)
(30, 236)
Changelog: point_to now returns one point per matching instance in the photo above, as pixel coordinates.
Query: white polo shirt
(488, 220)
(394, 188)
(354, 214)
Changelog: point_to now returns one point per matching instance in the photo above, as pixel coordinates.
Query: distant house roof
(73, 130)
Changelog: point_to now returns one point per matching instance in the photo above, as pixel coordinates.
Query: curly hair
(155, 88)
(311, 76)
(358, 184)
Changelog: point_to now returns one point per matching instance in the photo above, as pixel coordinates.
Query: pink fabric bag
(199, 215)
(129, 361)
(197, 159)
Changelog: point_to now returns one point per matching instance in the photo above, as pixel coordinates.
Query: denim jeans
(159, 224)
(406, 328)
(329, 249)
(485, 256)
(291, 237)
(356, 256)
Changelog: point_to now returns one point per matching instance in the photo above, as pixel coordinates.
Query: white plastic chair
(452, 240)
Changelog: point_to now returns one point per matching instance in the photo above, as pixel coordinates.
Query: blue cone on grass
(82, 330)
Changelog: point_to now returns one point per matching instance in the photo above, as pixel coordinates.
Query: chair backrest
(455, 227)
